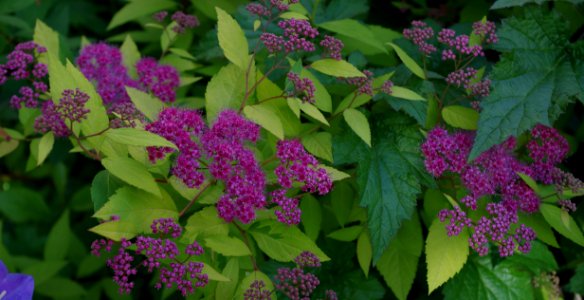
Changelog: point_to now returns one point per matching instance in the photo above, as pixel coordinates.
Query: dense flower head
(287, 210)
(387, 86)
(22, 64)
(184, 21)
(444, 152)
(481, 88)
(330, 295)
(124, 115)
(364, 84)
(462, 77)
(458, 43)
(257, 291)
(69, 109)
(161, 80)
(295, 283)
(151, 253)
(160, 16)
(302, 86)
(547, 145)
(486, 30)
(419, 34)
(332, 47)
(297, 37)
(102, 64)
(298, 165)
(457, 220)
(258, 9)
(307, 259)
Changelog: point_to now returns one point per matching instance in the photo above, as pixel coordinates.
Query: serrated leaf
(147, 104)
(59, 238)
(576, 284)
(136, 9)
(130, 55)
(510, 3)
(213, 274)
(460, 117)
(226, 245)
(354, 29)
(226, 289)
(346, 234)
(402, 254)
(404, 93)
(534, 79)
(264, 117)
(116, 230)
(48, 38)
(45, 146)
(335, 174)
(103, 186)
(225, 90)
(319, 144)
(312, 111)
(205, 222)
(445, 255)
(283, 243)
(232, 40)
(408, 61)
(336, 68)
(137, 137)
(322, 98)
(562, 222)
(359, 123)
(365, 252)
(131, 172)
(293, 15)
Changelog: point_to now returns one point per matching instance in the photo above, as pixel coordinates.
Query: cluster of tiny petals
(458, 43)
(445, 152)
(287, 211)
(419, 34)
(258, 9)
(387, 86)
(257, 291)
(486, 30)
(161, 80)
(160, 16)
(297, 37)
(124, 115)
(22, 64)
(298, 165)
(184, 21)
(481, 89)
(55, 117)
(185, 276)
(457, 220)
(364, 84)
(462, 77)
(332, 47)
(302, 86)
(307, 259)
(330, 295)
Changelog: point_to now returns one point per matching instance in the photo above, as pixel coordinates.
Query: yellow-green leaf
(226, 289)
(249, 279)
(132, 172)
(225, 90)
(335, 174)
(364, 252)
(116, 230)
(139, 8)
(346, 234)
(263, 116)
(336, 68)
(408, 61)
(226, 245)
(319, 144)
(45, 146)
(460, 117)
(358, 122)
(445, 256)
(130, 55)
(403, 93)
(137, 137)
(232, 39)
(147, 104)
(213, 274)
(312, 111)
(562, 222)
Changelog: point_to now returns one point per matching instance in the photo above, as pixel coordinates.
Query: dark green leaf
(57, 245)
(576, 284)
(21, 205)
(103, 186)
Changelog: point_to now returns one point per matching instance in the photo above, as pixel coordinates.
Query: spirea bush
(291, 149)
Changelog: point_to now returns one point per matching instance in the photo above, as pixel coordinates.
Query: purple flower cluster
(161, 80)
(419, 34)
(287, 210)
(486, 30)
(493, 175)
(332, 47)
(302, 86)
(295, 283)
(364, 85)
(160, 16)
(22, 64)
(297, 37)
(257, 291)
(184, 21)
(265, 9)
(54, 117)
(461, 77)
(457, 44)
(180, 126)
(156, 250)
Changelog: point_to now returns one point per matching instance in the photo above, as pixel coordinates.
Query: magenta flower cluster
(296, 283)
(183, 21)
(160, 80)
(332, 47)
(22, 64)
(419, 34)
(302, 87)
(364, 85)
(59, 117)
(257, 291)
(160, 253)
(266, 8)
(494, 175)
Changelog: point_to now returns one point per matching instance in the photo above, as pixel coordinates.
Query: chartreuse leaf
(213, 274)
(130, 55)
(346, 234)
(168, 36)
(205, 222)
(408, 61)
(226, 245)
(562, 222)
(335, 174)
(404, 93)
(48, 38)
(45, 146)
(262, 115)
(6, 147)
(226, 289)
(283, 243)
(445, 255)
(355, 30)
(57, 245)
(460, 117)
(532, 83)
(480, 280)
(116, 230)
(131, 172)
(225, 90)
(293, 15)
(365, 252)
(139, 8)
(311, 216)
(103, 186)
(322, 98)
(312, 111)
(232, 40)
(137, 137)
(354, 101)
(336, 68)
(137, 207)
(402, 254)
(147, 104)
(542, 229)
(319, 144)
(359, 123)
(249, 279)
